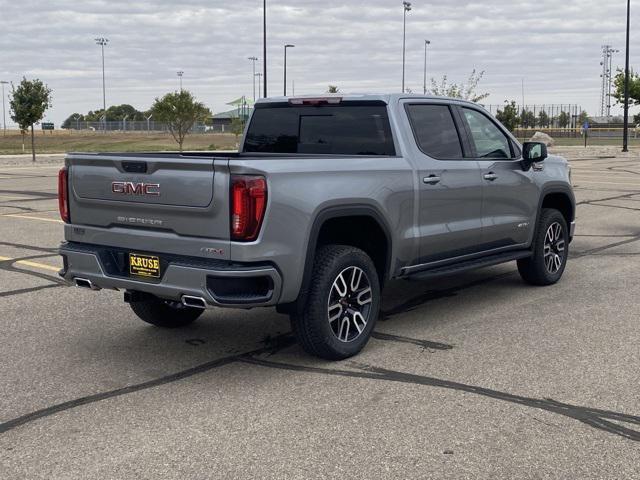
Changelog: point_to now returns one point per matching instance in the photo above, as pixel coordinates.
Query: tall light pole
(253, 60)
(625, 134)
(102, 42)
(180, 74)
(424, 83)
(259, 76)
(4, 116)
(407, 8)
(264, 45)
(288, 45)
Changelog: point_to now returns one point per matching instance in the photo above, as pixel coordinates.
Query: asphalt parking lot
(476, 376)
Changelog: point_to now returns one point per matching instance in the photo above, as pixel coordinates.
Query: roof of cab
(386, 98)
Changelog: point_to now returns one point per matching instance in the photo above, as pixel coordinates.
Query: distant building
(225, 118)
(242, 110)
(606, 121)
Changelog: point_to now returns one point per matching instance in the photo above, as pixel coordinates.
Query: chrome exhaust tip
(195, 302)
(85, 283)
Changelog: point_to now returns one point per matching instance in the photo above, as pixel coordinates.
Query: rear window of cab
(349, 128)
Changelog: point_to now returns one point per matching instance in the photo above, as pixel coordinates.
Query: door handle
(490, 176)
(431, 180)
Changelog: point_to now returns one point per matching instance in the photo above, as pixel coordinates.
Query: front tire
(550, 250)
(342, 304)
(164, 313)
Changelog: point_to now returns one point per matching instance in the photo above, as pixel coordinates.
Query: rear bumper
(221, 284)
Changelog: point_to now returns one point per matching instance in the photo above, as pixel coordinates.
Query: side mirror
(533, 152)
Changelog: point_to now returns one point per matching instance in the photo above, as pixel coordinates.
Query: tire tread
(309, 333)
(532, 269)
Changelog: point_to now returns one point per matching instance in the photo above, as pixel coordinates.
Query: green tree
(70, 121)
(28, 103)
(466, 91)
(543, 119)
(527, 119)
(564, 120)
(634, 88)
(118, 112)
(180, 111)
(508, 116)
(115, 112)
(237, 127)
(583, 117)
(333, 89)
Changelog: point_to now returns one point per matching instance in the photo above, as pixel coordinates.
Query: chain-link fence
(603, 133)
(138, 126)
(563, 116)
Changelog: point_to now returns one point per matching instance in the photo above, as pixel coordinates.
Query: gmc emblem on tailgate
(132, 188)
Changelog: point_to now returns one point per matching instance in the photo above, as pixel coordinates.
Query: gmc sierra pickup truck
(327, 200)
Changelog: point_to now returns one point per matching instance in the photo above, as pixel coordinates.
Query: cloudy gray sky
(553, 44)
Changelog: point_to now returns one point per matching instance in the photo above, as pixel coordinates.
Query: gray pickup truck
(327, 200)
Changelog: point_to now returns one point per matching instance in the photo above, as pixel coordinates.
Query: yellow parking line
(42, 266)
(43, 219)
(29, 263)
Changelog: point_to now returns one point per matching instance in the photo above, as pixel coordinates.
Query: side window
(435, 131)
(488, 139)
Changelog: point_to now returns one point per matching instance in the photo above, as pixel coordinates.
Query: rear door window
(347, 129)
(435, 131)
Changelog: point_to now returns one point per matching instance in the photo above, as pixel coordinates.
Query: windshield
(346, 129)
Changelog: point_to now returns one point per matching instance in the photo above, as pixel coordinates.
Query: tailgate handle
(134, 167)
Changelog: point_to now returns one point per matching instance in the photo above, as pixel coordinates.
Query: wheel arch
(326, 228)
(561, 198)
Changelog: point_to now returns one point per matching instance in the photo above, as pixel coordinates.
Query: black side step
(464, 266)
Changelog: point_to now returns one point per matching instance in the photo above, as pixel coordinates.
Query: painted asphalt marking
(578, 171)
(9, 169)
(578, 182)
(42, 219)
(29, 263)
(7, 197)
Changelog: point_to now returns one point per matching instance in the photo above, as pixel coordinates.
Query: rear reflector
(316, 101)
(248, 205)
(63, 195)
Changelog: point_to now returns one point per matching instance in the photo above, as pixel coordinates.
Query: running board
(460, 267)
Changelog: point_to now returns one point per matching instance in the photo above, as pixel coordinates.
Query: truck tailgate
(181, 194)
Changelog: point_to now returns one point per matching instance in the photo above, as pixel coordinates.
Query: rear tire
(164, 313)
(341, 306)
(550, 250)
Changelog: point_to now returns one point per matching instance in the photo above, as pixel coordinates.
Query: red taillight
(63, 195)
(248, 204)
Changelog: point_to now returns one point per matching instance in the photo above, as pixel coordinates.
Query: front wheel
(550, 250)
(342, 305)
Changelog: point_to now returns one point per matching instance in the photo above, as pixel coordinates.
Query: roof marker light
(315, 101)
